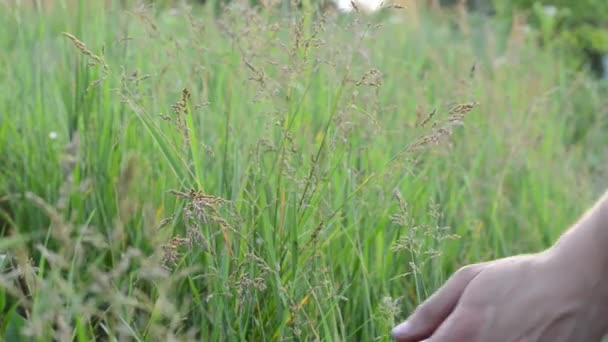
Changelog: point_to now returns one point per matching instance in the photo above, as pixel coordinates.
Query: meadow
(176, 173)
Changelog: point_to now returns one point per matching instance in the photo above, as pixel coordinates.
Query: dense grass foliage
(170, 174)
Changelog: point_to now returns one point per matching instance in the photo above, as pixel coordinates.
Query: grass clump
(172, 174)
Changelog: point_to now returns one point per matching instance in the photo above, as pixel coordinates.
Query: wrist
(584, 248)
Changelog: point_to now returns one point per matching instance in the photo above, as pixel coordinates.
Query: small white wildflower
(550, 10)
(53, 135)
(500, 61)
(3, 261)
(365, 6)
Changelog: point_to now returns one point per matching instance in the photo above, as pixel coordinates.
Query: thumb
(430, 314)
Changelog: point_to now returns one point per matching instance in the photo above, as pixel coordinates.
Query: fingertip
(402, 330)
(430, 315)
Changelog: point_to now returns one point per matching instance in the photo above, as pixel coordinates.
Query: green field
(189, 174)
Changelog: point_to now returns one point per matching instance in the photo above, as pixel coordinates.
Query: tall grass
(173, 174)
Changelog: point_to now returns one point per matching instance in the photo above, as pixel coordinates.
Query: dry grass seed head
(96, 59)
(83, 48)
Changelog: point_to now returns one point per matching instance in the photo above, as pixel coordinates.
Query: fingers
(461, 326)
(431, 314)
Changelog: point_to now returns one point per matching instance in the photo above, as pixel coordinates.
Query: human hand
(548, 296)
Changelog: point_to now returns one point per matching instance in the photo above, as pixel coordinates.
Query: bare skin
(560, 294)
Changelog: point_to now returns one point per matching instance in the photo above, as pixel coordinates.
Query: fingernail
(402, 329)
